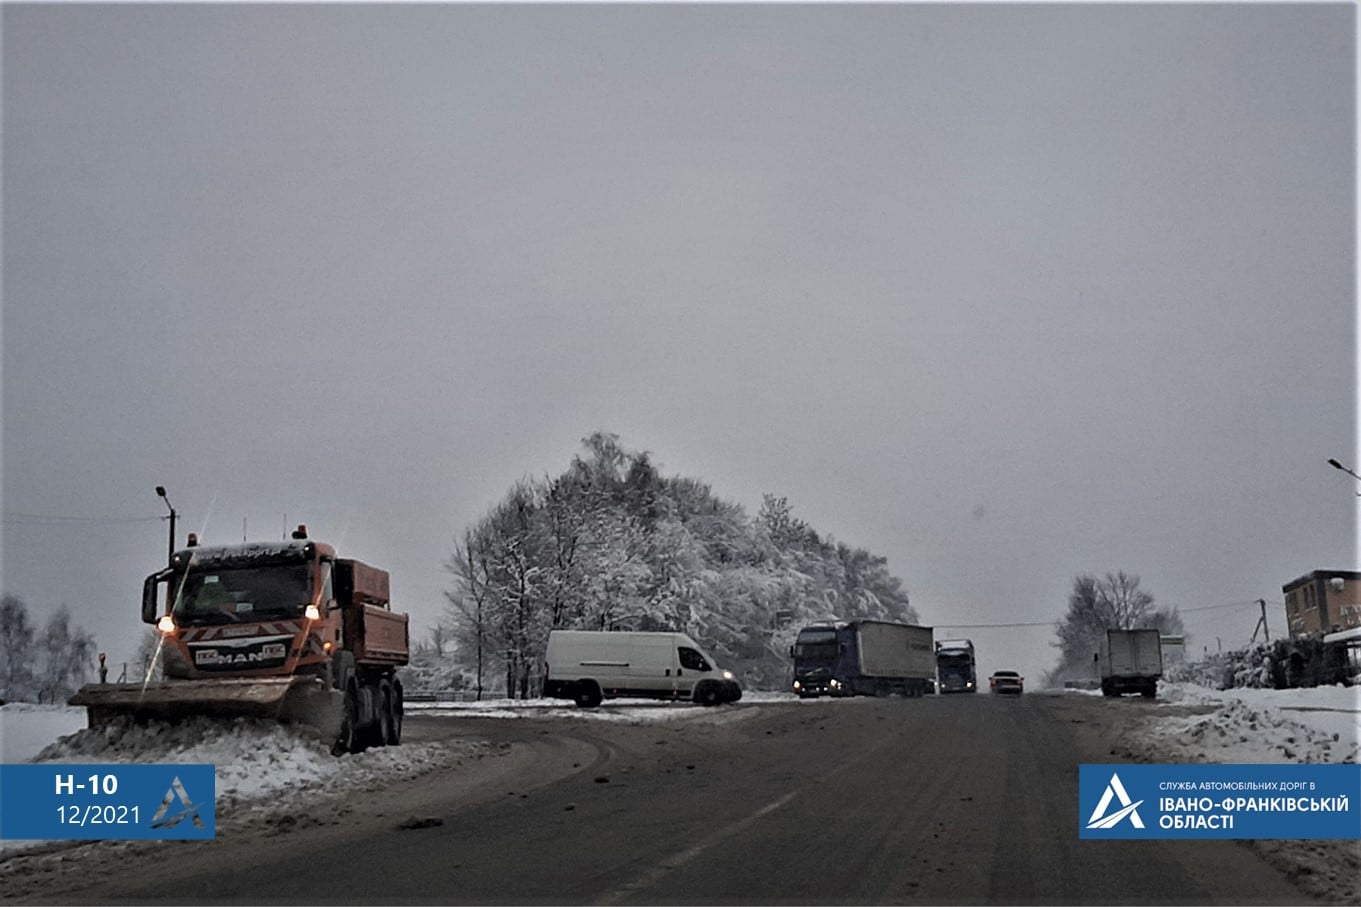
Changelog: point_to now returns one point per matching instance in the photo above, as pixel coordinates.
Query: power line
(31, 518)
(1229, 605)
(1038, 623)
(1051, 623)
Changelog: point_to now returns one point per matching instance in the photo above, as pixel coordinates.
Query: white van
(590, 665)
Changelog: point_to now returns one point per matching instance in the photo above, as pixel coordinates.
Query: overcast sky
(1003, 293)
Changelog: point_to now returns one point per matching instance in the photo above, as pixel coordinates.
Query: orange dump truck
(284, 630)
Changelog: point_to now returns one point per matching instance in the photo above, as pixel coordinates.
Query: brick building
(1324, 601)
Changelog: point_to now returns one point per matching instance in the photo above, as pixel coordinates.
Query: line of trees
(1095, 605)
(613, 544)
(46, 665)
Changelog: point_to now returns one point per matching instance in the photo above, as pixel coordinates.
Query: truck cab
(956, 666)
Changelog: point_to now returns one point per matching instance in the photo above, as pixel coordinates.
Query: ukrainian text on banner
(1219, 801)
(56, 800)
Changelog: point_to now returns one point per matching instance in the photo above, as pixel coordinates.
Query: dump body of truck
(956, 666)
(1130, 661)
(865, 657)
(283, 630)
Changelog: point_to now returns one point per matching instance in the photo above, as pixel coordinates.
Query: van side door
(694, 667)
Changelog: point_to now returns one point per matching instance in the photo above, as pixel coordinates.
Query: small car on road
(1006, 682)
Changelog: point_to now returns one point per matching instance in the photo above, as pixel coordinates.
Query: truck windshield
(209, 595)
(816, 645)
(957, 661)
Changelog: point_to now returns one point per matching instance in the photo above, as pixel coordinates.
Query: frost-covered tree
(1113, 602)
(17, 674)
(611, 543)
(66, 654)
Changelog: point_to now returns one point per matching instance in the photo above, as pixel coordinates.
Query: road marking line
(624, 893)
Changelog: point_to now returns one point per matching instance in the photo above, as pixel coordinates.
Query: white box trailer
(588, 666)
(896, 650)
(863, 657)
(1131, 661)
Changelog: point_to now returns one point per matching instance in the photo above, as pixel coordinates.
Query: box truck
(1130, 661)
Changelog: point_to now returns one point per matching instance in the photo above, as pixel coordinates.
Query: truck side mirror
(149, 609)
(791, 651)
(1096, 656)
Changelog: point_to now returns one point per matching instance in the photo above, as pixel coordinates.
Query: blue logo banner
(1219, 801)
(56, 801)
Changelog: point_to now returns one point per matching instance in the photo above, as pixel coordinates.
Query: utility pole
(1261, 623)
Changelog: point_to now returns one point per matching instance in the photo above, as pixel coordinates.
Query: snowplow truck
(282, 630)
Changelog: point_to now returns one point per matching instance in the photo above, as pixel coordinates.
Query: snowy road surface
(263, 768)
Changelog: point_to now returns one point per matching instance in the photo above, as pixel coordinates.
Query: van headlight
(728, 675)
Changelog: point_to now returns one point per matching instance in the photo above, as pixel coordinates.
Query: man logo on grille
(190, 811)
(1115, 790)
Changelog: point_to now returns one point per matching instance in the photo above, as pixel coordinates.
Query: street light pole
(1336, 465)
(160, 490)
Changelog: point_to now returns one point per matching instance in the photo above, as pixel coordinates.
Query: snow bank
(1319, 724)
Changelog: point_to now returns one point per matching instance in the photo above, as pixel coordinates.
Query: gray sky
(1003, 293)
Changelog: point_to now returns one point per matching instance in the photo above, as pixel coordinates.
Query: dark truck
(862, 657)
(956, 667)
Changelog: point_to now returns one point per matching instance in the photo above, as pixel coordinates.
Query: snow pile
(1248, 725)
(260, 765)
(253, 757)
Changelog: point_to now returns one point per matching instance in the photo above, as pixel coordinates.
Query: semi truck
(588, 666)
(284, 630)
(862, 658)
(1130, 661)
(956, 666)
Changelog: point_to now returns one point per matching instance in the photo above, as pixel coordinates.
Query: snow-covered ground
(260, 761)
(1322, 724)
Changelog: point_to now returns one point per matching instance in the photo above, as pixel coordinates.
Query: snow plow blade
(301, 700)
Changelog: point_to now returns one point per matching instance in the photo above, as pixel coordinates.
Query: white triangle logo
(1115, 791)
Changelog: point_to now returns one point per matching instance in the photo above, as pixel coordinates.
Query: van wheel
(588, 694)
(707, 694)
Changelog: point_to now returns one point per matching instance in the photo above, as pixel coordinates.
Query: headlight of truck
(834, 684)
(797, 685)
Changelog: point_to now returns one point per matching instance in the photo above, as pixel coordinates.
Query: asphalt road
(939, 800)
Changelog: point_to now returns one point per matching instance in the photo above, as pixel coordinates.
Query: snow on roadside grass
(1322, 724)
(26, 728)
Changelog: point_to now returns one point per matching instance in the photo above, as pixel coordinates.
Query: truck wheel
(382, 725)
(349, 740)
(1151, 690)
(588, 694)
(395, 722)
